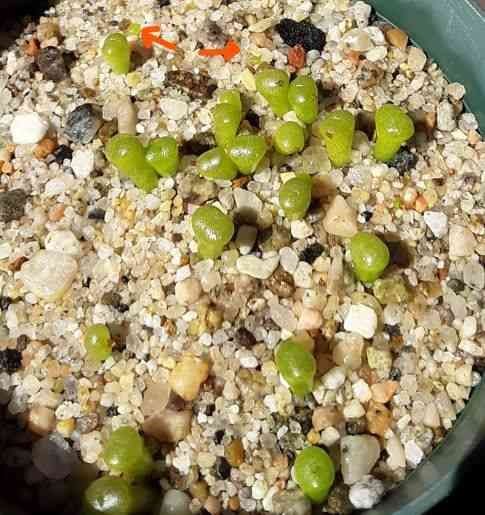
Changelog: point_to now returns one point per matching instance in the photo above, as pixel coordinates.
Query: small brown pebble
(296, 57)
(199, 85)
(421, 205)
(56, 213)
(430, 123)
(383, 392)
(240, 182)
(107, 130)
(48, 30)
(187, 377)
(234, 453)
(7, 168)
(169, 426)
(338, 502)
(213, 505)
(326, 416)
(378, 418)
(353, 56)
(16, 264)
(41, 420)
(324, 362)
(199, 490)
(233, 503)
(45, 148)
(281, 283)
(368, 375)
(397, 38)
(32, 47)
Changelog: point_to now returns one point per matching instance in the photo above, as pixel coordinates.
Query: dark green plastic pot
(452, 33)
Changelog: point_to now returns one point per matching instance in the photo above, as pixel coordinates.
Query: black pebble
(395, 374)
(10, 360)
(12, 205)
(403, 161)
(253, 119)
(218, 436)
(210, 409)
(51, 63)
(164, 3)
(97, 214)
(5, 302)
(311, 253)
(223, 468)
(456, 285)
(392, 330)
(83, 123)
(367, 215)
(356, 427)
(62, 153)
(22, 341)
(112, 411)
(301, 33)
(244, 338)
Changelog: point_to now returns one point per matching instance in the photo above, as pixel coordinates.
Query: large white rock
(462, 242)
(362, 320)
(366, 493)
(257, 267)
(358, 456)
(341, 219)
(28, 128)
(437, 222)
(63, 241)
(49, 274)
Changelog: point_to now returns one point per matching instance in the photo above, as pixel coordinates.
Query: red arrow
(228, 52)
(149, 39)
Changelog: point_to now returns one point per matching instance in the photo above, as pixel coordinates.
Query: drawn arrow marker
(149, 38)
(228, 52)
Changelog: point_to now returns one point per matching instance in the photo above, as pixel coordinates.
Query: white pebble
(366, 493)
(353, 409)
(456, 91)
(248, 201)
(394, 448)
(63, 241)
(362, 391)
(469, 327)
(173, 108)
(48, 274)
(341, 219)
(376, 54)
(28, 128)
(462, 241)
(301, 229)
(361, 320)
(289, 259)
(446, 117)
(309, 319)
(303, 275)
(416, 59)
(82, 163)
(329, 436)
(259, 489)
(334, 378)
(188, 291)
(437, 222)
(256, 267)
(413, 452)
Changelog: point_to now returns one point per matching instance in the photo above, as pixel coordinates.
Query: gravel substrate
(193, 363)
